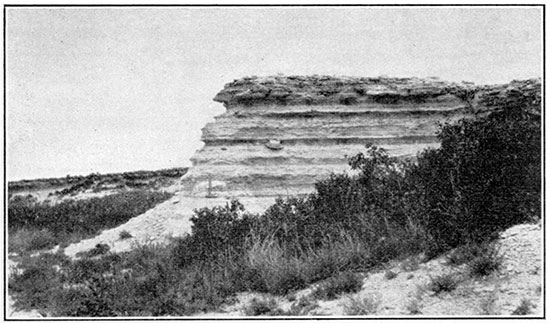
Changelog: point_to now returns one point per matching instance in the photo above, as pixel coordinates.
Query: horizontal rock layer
(315, 122)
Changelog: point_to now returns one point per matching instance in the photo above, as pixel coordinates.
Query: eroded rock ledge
(281, 134)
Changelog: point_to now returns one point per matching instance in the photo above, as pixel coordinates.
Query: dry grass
(362, 305)
(343, 283)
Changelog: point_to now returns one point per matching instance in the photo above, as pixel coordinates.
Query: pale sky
(122, 89)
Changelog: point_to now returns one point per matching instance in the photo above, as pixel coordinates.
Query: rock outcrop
(280, 135)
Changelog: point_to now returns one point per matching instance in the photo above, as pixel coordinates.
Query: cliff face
(280, 135)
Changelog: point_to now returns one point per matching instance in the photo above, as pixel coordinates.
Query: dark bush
(484, 178)
(291, 223)
(216, 232)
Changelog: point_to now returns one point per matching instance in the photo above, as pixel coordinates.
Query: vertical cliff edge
(279, 135)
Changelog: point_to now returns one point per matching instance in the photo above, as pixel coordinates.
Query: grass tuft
(523, 308)
(123, 235)
(362, 305)
(346, 282)
(389, 275)
(485, 264)
(488, 305)
(443, 283)
(302, 307)
(261, 306)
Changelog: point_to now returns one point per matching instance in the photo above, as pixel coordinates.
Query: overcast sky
(121, 89)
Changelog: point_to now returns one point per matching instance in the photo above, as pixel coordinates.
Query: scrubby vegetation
(484, 179)
(33, 226)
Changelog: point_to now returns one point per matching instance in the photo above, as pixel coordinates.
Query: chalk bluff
(279, 135)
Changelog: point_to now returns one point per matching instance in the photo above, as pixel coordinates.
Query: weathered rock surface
(315, 121)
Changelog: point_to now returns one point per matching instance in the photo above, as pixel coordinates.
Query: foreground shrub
(278, 274)
(484, 178)
(215, 232)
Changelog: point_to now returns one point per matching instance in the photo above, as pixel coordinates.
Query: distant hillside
(98, 182)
